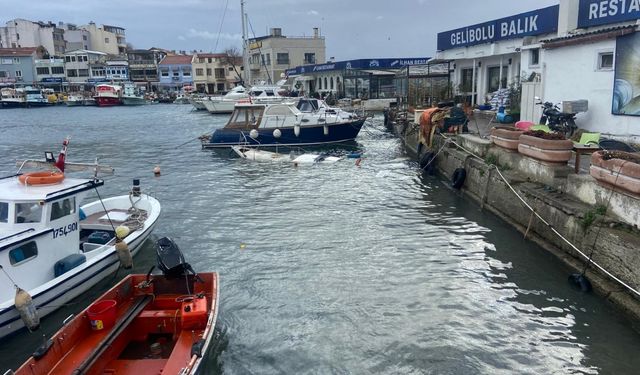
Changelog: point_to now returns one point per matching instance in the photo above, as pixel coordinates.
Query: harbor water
(333, 269)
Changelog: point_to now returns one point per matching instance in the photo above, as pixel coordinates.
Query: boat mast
(245, 47)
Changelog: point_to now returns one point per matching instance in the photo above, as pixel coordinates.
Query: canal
(337, 268)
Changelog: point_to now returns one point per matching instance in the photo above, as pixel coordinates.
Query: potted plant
(548, 147)
(618, 169)
(515, 97)
(506, 137)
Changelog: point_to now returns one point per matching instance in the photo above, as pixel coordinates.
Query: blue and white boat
(35, 98)
(53, 247)
(305, 123)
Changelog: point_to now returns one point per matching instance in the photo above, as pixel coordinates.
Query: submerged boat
(130, 96)
(309, 122)
(108, 95)
(146, 324)
(54, 248)
(254, 154)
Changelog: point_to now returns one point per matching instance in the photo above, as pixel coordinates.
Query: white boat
(75, 101)
(12, 98)
(226, 103)
(131, 96)
(35, 98)
(53, 247)
(181, 99)
(254, 154)
(263, 94)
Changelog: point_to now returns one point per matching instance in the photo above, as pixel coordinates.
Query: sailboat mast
(245, 47)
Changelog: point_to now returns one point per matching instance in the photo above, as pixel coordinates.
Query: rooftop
(176, 60)
(211, 55)
(25, 51)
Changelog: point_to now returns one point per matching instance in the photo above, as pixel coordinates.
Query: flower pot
(617, 172)
(556, 151)
(506, 137)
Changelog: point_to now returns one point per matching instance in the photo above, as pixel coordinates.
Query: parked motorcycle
(556, 120)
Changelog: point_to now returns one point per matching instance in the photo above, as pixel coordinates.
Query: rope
(565, 240)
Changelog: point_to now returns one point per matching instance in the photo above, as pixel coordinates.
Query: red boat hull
(107, 102)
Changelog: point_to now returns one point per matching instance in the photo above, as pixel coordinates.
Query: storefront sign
(359, 64)
(599, 12)
(537, 22)
(52, 80)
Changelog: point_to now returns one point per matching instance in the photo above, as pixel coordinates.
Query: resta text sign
(602, 12)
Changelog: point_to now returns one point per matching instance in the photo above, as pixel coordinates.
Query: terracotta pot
(506, 137)
(557, 151)
(619, 173)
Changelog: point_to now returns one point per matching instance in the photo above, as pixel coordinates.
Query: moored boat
(12, 98)
(108, 95)
(130, 96)
(74, 101)
(146, 324)
(309, 122)
(35, 98)
(54, 248)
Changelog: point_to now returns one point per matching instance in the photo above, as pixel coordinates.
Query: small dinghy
(254, 154)
(146, 324)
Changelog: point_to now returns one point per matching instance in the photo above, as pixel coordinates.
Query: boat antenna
(224, 13)
(261, 55)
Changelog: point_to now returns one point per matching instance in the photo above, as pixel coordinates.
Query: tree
(234, 58)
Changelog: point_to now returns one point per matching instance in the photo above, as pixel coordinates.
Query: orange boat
(146, 324)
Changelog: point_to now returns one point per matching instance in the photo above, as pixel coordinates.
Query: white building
(83, 66)
(76, 38)
(105, 39)
(20, 33)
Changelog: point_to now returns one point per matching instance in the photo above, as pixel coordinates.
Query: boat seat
(181, 352)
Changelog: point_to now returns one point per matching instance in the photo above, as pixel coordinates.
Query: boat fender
(277, 133)
(457, 180)
(122, 231)
(124, 254)
(296, 130)
(253, 133)
(27, 309)
(326, 129)
(196, 348)
(427, 163)
(581, 282)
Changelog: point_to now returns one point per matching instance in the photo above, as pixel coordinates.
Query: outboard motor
(170, 259)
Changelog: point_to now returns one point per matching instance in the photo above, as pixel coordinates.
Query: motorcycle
(557, 121)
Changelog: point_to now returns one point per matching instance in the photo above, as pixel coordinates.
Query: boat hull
(307, 135)
(133, 101)
(11, 104)
(219, 107)
(37, 104)
(70, 285)
(74, 103)
(107, 102)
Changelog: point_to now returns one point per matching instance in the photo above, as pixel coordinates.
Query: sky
(352, 29)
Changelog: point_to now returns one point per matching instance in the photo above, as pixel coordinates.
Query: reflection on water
(336, 268)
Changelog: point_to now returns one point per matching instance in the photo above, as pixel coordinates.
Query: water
(335, 268)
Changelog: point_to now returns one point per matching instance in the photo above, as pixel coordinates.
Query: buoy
(254, 133)
(122, 231)
(27, 309)
(277, 133)
(156, 170)
(296, 130)
(124, 254)
(581, 282)
(358, 161)
(326, 129)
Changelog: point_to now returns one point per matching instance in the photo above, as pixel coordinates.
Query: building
(361, 78)
(105, 39)
(116, 69)
(17, 65)
(50, 73)
(175, 72)
(76, 37)
(577, 50)
(83, 66)
(143, 66)
(215, 72)
(270, 56)
(19, 33)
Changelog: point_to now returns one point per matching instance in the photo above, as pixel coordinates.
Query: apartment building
(213, 72)
(21, 33)
(17, 65)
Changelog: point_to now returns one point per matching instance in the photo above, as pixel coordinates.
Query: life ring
(457, 180)
(41, 178)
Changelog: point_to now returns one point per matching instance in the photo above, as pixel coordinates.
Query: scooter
(562, 122)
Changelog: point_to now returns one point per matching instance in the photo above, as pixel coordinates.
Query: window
(220, 87)
(84, 58)
(186, 72)
(72, 73)
(231, 69)
(219, 73)
(73, 59)
(534, 57)
(44, 70)
(30, 212)
(57, 70)
(309, 58)
(331, 83)
(16, 60)
(266, 59)
(67, 58)
(106, 40)
(18, 73)
(3, 74)
(326, 86)
(199, 72)
(164, 72)
(283, 58)
(605, 60)
(209, 60)
(493, 78)
(208, 71)
(4, 212)
(23, 253)
(466, 82)
(201, 60)
(176, 73)
(84, 37)
(83, 72)
(63, 208)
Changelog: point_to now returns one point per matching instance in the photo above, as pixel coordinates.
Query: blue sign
(52, 80)
(598, 12)
(358, 64)
(537, 22)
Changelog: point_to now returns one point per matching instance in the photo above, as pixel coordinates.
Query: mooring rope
(564, 239)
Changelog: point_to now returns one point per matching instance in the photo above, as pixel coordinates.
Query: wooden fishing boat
(146, 324)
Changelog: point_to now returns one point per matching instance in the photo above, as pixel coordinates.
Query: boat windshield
(28, 212)
(4, 212)
(245, 117)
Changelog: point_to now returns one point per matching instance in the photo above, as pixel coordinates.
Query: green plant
(491, 159)
(591, 216)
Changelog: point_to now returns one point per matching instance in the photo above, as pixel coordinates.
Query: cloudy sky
(352, 28)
